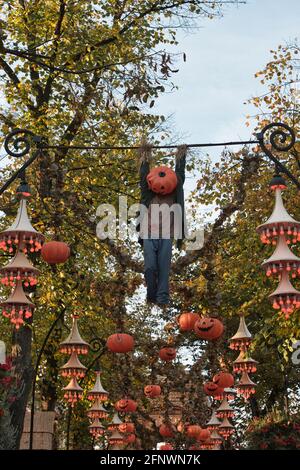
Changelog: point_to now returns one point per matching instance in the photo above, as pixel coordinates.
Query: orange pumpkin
(120, 343)
(193, 431)
(209, 328)
(203, 435)
(162, 180)
(130, 439)
(187, 321)
(152, 391)
(224, 379)
(210, 388)
(166, 430)
(55, 252)
(126, 405)
(167, 354)
(127, 428)
(166, 447)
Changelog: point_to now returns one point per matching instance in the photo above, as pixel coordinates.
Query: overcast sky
(222, 58)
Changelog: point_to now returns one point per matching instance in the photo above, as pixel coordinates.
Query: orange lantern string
(97, 411)
(245, 387)
(73, 368)
(225, 429)
(244, 363)
(97, 391)
(96, 429)
(242, 339)
(74, 342)
(73, 392)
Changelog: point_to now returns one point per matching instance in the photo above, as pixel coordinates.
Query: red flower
(7, 365)
(6, 380)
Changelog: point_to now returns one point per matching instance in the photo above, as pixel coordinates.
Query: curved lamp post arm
(17, 144)
(280, 137)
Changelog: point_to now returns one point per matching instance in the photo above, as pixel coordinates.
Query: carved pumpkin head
(209, 328)
(120, 343)
(210, 388)
(127, 428)
(162, 180)
(193, 431)
(130, 439)
(167, 354)
(187, 320)
(223, 379)
(166, 430)
(152, 391)
(203, 435)
(126, 405)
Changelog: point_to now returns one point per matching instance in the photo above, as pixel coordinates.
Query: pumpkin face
(55, 252)
(126, 405)
(120, 343)
(210, 388)
(203, 435)
(127, 428)
(167, 354)
(193, 431)
(223, 379)
(165, 430)
(187, 321)
(152, 391)
(209, 328)
(162, 180)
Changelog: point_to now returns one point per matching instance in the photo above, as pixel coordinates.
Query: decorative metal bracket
(18, 143)
(280, 137)
(21, 140)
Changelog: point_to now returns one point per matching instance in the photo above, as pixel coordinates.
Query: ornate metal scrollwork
(96, 344)
(19, 142)
(281, 138)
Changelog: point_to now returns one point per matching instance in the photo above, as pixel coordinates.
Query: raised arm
(145, 156)
(180, 162)
(144, 170)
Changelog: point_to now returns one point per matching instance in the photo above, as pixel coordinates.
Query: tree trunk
(22, 361)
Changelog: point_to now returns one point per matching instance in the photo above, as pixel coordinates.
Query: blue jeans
(157, 256)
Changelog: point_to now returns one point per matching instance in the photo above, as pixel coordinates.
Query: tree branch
(9, 72)
(249, 168)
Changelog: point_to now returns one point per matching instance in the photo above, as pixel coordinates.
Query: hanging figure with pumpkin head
(162, 219)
